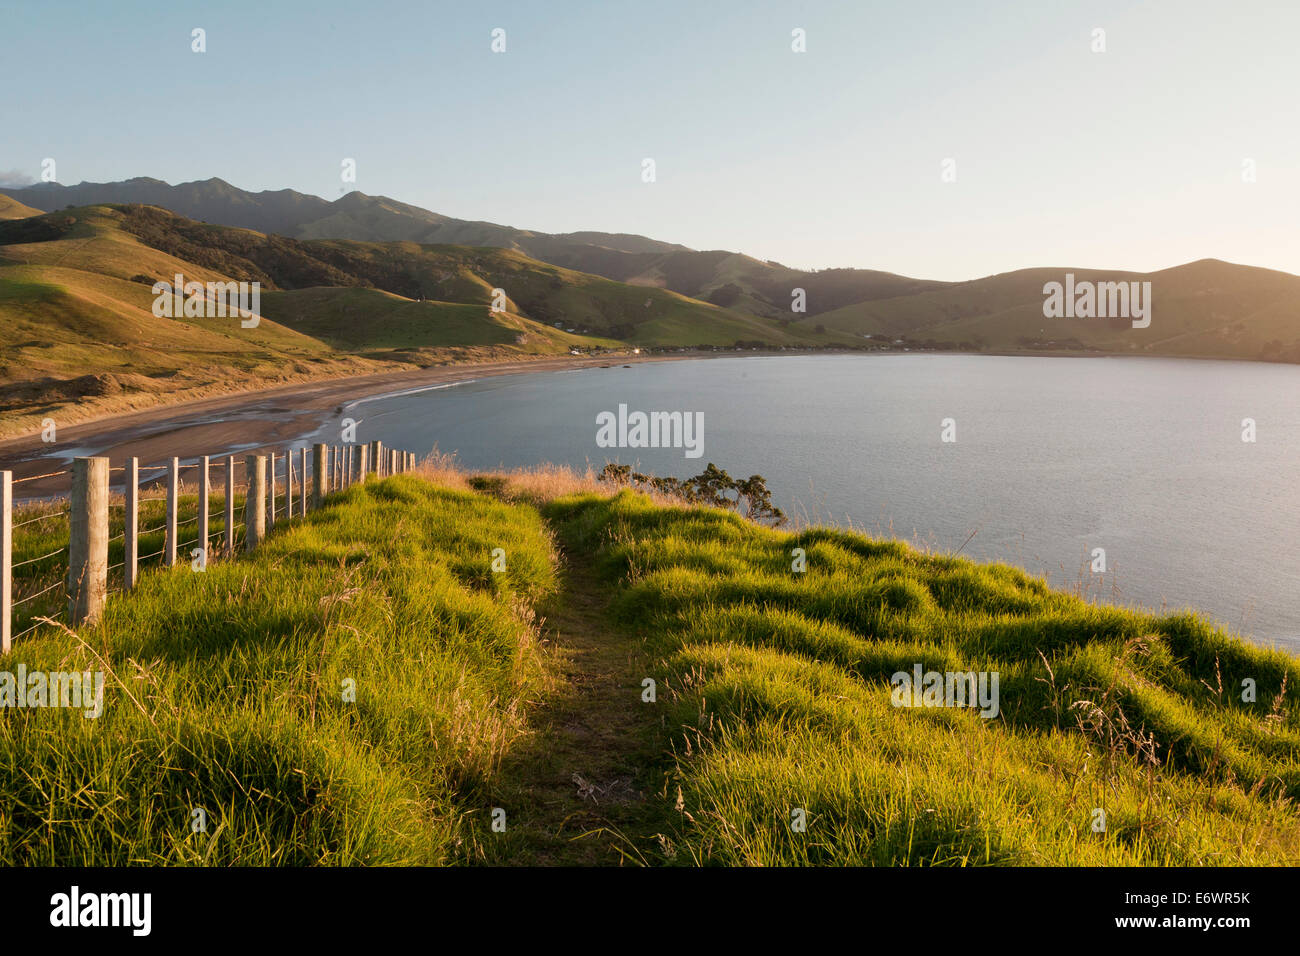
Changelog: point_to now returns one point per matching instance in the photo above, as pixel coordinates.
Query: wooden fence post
(379, 459)
(6, 561)
(131, 532)
(173, 506)
(230, 505)
(288, 484)
(365, 462)
(302, 481)
(270, 488)
(320, 479)
(88, 540)
(254, 501)
(205, 492)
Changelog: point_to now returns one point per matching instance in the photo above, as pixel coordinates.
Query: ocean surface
(1053, 458)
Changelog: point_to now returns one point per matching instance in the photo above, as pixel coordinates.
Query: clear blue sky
(1128, 159)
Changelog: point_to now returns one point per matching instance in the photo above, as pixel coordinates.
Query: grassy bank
(226, 693)
(773, 736)
(777, 689)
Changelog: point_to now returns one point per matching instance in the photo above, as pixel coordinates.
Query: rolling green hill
(13, 209)
(776, 700)
(1202, 309)
(76, 305)
(727, 279)
(75, 300)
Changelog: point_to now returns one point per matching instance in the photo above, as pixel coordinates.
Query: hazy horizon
(1134, 158)
(529, 228)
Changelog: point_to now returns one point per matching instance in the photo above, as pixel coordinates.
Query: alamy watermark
(133, 911)
(1098, 300)
(82, 689)
(651, 430)
(213, 300)
(922, 688)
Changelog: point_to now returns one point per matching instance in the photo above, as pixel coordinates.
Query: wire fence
(65, 554)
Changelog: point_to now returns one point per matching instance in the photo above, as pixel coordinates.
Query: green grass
(375, 324)
(779, 700)
(225, 692)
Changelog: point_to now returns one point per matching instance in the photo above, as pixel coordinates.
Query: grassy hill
(13, 209)
(79, 336)
(524, 690)
(242, 714)
(1202, 309)
(726, 279)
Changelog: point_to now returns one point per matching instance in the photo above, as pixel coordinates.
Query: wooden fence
(88, 506)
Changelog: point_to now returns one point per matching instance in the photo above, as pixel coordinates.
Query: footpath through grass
(1122, 738)
(774, 736)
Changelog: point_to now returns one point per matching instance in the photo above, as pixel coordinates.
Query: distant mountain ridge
(1204, 309)
(728, 279)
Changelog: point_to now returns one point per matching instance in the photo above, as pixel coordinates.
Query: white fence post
(173, 509)
(131, 531)
(302, 481)
(230, 505)
(6, 561)
(205, 491)
(288, 484)
(270, 486)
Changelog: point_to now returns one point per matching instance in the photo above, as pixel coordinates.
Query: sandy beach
(243, 421)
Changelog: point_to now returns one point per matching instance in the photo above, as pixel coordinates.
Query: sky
(1136, 158)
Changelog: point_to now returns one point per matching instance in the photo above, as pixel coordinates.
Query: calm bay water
(1054, 457)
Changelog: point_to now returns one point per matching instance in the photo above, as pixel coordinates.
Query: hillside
(1202, 309)
(79, 335)
(774, 701)
(13, 209)
(726, 279)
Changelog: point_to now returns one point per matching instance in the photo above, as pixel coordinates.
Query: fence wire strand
(59, 514)
(33, 597)
(237, 531)
(52, 474)
(19, 564)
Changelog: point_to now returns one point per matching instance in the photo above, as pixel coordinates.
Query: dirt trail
(579, 790)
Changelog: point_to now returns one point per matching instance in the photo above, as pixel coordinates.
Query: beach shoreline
(247, 421)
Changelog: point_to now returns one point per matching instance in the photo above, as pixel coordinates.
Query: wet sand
(244, 421)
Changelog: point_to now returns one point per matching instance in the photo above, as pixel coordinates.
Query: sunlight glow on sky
(1127, 159)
